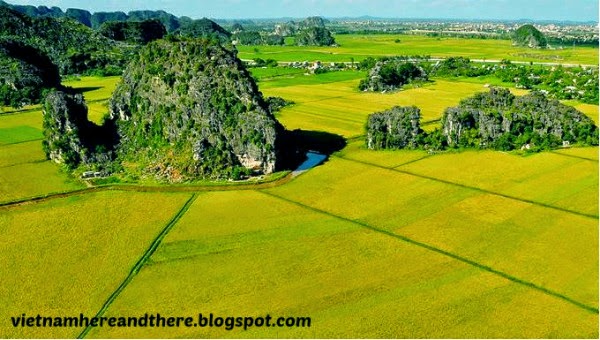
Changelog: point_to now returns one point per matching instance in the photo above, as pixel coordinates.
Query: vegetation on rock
(397, 128)
(314, 36)
(203, 28)
(189, 109)
(26, 73)
(495, 119)
(140, 32)
(73, 47)
(256, 38)
(528, 35)
(70, 138)
(312, 22)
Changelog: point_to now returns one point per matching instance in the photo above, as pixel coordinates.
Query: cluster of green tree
(457, 67)
(390, 74)
(579, 83)
(495, 119)
(368, 63)
(277, 103)
(255, 38)
(73, 47)
(464, 35)
(561, 42)
(259, 62)
(528, 35)
(139, 32)
(314, 36)
(26, 74)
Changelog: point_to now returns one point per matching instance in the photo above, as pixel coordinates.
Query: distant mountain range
(95, 20)
(173, 22)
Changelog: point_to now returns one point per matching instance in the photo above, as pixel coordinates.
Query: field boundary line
(574, 156)
(22, 142)
(410, 162)
(443, 252)
(142, 188)
(485, 191)
(142, 261)
(23, 163)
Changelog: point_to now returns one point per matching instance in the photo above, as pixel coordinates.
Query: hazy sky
(574, 10)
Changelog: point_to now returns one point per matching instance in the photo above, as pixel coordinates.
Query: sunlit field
(369, 244)
(357, 47)
(66, 256)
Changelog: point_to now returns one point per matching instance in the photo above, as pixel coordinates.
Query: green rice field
(386, 244)
(357, 47)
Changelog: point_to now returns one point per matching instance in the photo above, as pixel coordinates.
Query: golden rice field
(65, 256)
(343, 110)
(393, 244)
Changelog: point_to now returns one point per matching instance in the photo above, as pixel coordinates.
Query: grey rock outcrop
(189, 109)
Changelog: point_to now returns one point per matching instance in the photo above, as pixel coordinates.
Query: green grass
(27, 121)
(273, 72)
(66, 256)
(359, 47)
(302, 78)
(27, 152)
(19, 134)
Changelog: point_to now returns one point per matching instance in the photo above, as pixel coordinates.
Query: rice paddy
(395, 244)
(65, 256)
(357, 47)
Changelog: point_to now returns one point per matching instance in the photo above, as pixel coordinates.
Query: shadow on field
(297, 143)
(82, 90)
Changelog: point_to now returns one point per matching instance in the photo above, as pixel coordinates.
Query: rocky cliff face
(528, 35)
(25, 72)
(70, 138)
(397, 128)
(65, 116)
(498, 119)
(189, 109)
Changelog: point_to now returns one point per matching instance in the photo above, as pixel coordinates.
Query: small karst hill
(184, 110)
(529, 36)
(190, 108)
